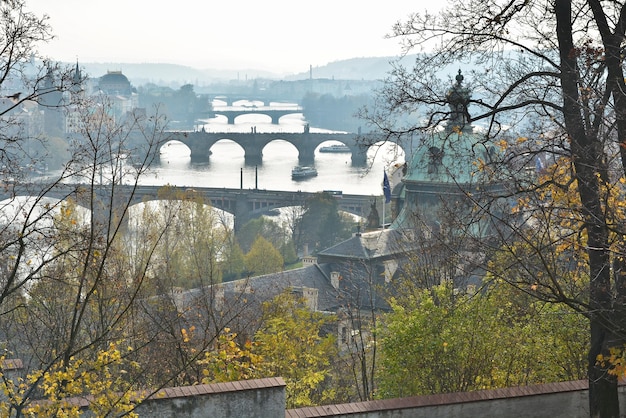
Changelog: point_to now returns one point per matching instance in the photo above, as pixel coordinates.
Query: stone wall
(265, 398)
(554, 400)
(260, 398)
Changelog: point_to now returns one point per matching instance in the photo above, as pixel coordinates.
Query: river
(226, 166)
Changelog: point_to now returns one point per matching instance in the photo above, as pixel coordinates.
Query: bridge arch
(252, 118)
(388, 152)
(156, 203)
(292, 151)
(174, 148)
(226, 145)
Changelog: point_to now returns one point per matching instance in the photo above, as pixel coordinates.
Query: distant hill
(169, 74)
(372, 68)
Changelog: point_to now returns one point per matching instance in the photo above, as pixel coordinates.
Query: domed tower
(446, 173)
(458, 98)
(115, 83)
(119, 92)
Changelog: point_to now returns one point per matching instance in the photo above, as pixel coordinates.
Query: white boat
(303, 172)
(335, 148)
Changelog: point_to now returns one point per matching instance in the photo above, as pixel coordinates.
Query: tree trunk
(586, 153)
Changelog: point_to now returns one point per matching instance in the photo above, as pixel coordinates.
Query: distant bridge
(231, 98)
(253, 143)
(232, 112)
(244, 204)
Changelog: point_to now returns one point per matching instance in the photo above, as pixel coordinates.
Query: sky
(283, 36)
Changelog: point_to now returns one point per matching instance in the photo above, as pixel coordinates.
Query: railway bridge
(244, 204)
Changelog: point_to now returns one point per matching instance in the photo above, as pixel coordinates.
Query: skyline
(273, 36)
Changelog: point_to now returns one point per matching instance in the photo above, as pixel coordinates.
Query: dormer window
(435, 157)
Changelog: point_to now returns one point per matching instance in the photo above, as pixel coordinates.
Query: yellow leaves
(186, 334)
(503, 144)
(480, 164)
(615, 362)
(227, 361)
(99, 380)
(521, 139)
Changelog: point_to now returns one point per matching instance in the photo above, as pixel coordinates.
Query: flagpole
(386, 193)
(384, 204)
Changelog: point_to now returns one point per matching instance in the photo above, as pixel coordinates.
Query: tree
(65, 290)
(257, 227)
(72, 291)
(332, 112)
(233, 264)
(565, 95)
(101, 380)
(73, 287)
(182, 106)
(437, 341)
(293, 346)
(321, 224)
(226, 361)
(263, 258)
(187, 237)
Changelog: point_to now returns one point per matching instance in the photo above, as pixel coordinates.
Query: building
(117, 90)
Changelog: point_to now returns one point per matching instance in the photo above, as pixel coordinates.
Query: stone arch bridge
(306, 143)
(275, 113)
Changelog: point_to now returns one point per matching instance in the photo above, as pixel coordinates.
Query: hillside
(372, 68)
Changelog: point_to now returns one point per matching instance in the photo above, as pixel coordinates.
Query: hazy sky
(278, 35)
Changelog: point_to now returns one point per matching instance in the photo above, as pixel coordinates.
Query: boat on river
(300, 172)
(335, 148)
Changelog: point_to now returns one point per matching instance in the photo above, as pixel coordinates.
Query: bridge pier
(306, 156)
(254, 153)
(200, 157)
(359, 156)
(242, 214)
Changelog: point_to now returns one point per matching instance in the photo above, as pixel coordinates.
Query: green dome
(447, 170)
(449, 157)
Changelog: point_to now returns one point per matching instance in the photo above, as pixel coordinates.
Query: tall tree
(321, 224)
(293, 345)
(565, 96)
(187, 237)
(263, 258)
(437, 341)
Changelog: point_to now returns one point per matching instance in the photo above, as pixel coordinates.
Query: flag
(386, 188)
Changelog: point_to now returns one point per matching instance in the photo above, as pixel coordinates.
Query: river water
(226, 166)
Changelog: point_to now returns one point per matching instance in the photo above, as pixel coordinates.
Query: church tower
(51, 100)
(444, 172)
(77, 89)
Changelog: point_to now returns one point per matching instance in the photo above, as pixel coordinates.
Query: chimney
(334, 279)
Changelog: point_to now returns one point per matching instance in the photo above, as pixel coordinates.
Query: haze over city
(279, 35)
